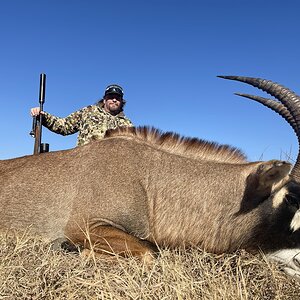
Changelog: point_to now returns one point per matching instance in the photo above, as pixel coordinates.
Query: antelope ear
(259, 183)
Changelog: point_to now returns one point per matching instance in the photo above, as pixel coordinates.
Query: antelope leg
(108, 240)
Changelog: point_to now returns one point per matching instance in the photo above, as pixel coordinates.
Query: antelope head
(286, 200)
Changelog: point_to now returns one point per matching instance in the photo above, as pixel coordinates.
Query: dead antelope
(139, 187)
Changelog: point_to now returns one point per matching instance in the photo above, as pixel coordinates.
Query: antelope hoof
(57, 244)
(63, 244)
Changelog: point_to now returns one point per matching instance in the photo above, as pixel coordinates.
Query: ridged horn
(287, 97)
(283, 94)
(275, 106)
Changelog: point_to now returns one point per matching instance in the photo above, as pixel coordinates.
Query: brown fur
(174, 143)
(145, 186)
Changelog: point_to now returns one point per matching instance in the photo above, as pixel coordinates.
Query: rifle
(36, 131)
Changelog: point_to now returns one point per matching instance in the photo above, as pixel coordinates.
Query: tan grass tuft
(29, 269)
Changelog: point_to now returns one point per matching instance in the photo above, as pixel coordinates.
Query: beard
(114, 109)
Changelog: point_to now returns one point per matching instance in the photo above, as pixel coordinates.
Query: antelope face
(292, 199)
(286, 203)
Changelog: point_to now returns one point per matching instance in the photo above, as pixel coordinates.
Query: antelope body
(138, 187)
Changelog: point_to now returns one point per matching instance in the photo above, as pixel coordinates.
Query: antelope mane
(174, 143)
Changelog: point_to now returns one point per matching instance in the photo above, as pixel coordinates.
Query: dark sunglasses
(113, 96)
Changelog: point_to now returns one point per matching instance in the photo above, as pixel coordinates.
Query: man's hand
(35, 111)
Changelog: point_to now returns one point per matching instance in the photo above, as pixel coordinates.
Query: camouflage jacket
(91, 122)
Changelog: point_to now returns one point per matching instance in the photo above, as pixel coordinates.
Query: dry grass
(30, 270)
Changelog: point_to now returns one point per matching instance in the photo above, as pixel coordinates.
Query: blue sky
(166, 55)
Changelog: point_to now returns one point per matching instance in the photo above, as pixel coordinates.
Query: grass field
(29, 269)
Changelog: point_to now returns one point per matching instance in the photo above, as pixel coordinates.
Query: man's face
(113, 103)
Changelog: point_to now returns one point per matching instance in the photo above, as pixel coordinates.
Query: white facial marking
(295, 223)
(279, 196)
(286, 257)
(289, 259)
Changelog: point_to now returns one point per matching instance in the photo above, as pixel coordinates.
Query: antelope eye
(293, 200)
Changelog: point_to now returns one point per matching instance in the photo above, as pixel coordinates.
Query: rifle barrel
(42, 88)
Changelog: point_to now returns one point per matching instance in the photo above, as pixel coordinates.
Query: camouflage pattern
(91, 122)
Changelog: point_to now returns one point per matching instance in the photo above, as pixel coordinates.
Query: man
(92, 121)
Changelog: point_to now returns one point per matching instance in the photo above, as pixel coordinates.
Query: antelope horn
(288, 98)
(283, 94)
(275, 106)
